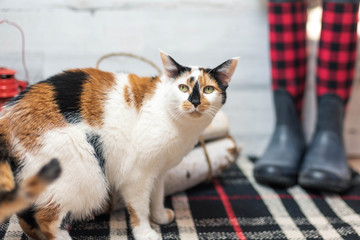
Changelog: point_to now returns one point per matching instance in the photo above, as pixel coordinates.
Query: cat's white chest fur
(149, 138)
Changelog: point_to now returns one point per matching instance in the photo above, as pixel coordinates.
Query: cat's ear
(172, 68)
(224, 71)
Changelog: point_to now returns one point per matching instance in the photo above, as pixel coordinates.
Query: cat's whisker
(211, 112)
(176, 115)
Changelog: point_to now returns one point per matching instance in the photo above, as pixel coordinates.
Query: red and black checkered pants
(336, 53)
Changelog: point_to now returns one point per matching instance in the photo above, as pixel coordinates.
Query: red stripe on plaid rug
(229, 210)
(271, 196)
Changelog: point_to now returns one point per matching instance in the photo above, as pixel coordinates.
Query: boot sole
(278, 181)
(324, 186)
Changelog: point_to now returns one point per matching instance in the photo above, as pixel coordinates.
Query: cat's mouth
(195, 114)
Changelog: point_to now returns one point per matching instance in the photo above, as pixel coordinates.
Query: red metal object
(9, 85)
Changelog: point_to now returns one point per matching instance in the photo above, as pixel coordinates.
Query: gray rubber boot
(325, 165)
(281, 161)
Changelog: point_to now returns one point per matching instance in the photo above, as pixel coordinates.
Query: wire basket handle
(129, 55)
(22, 44)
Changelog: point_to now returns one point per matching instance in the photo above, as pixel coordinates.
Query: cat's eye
(208, 89)
(183, 88)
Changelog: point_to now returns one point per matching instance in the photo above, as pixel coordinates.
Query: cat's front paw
(165, 216)
(63, 235)
(149, 234)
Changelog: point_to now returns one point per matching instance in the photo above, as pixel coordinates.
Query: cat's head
(197, 92)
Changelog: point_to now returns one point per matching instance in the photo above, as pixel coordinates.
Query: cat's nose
(195, 103)
(194, 97)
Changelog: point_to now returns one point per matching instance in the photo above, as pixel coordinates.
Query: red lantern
(9, 85)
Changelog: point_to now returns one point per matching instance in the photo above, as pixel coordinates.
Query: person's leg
(287, 34)
(325, 164)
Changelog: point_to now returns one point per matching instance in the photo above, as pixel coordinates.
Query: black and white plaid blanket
(234, 206)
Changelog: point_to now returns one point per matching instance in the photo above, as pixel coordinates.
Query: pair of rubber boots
(287, 160)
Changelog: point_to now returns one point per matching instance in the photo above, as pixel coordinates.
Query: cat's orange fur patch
(134, 219)
(6, 177)
(17, 201)
(142, 88)
(127, 95)
(34, 186)
(47, 219)
(31, 188)
(201, 79)
(31, 232)
(37, 106)
(204, 105)
(93, 96)
(206, 80)
(9, 206)
(170, 214)
(187, 106)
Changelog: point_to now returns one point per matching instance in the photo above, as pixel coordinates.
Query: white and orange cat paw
(163, 217)
(63, 235)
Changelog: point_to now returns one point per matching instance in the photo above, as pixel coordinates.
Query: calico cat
(106, 133)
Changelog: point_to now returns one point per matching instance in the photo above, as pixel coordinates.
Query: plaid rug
(234, 206)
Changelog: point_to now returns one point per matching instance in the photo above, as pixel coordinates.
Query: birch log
(194, 168)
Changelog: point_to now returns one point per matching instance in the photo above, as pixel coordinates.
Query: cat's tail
(17, 197)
